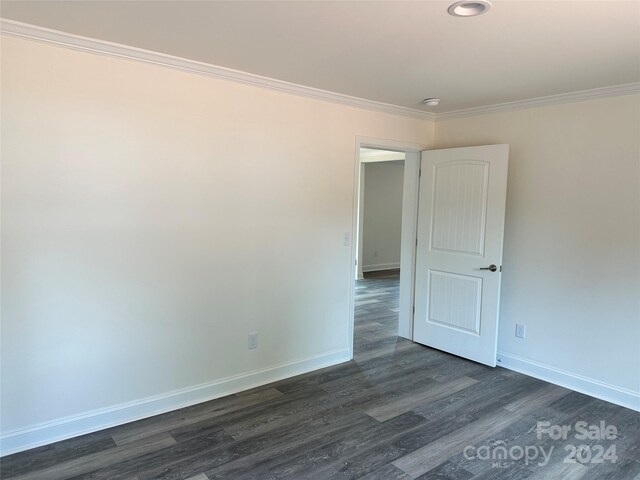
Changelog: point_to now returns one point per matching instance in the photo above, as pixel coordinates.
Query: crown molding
(625, 89)
(102, 47)
(85, 44)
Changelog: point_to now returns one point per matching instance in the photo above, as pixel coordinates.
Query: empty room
(378, 240)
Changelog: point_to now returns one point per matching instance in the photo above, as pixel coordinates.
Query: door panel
(459, 207)
(460, 231)
(454, 301)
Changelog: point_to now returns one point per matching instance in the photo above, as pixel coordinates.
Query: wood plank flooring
(397, 411)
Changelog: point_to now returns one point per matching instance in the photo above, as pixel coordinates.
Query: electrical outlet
(252, 341)
(520, 330)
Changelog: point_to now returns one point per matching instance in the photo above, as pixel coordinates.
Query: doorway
(380, 211)
(461, 220)
(379, 247)
(385, 300)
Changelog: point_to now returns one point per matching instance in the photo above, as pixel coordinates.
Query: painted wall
(382, 212)
(572, 238)
(151, 219)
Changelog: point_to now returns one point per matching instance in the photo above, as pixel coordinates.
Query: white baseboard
(380, 266)
(589, 386)
(73, 426)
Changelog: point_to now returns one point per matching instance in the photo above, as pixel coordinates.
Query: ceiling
(395, 52)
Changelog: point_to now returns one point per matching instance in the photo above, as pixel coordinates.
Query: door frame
(409, 229)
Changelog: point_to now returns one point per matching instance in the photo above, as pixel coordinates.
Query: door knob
(491, 268)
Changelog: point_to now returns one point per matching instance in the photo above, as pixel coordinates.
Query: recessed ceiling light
(469, 8)
(431, 101)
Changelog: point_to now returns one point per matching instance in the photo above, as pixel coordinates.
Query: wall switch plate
(252, 341)
(346, 239)
(520, 330)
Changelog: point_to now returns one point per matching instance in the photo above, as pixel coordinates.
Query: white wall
(151, 219)
(382, 212)
(572, 239)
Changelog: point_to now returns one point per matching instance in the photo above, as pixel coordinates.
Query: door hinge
(416, 241)
(414, 309)
(419, 173)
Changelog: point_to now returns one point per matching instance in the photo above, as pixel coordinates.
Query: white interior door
(459, 252)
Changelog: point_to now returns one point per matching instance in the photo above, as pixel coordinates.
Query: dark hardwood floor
(397, 411)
